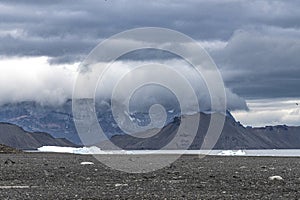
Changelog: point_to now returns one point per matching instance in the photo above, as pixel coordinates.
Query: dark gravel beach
(61, 176)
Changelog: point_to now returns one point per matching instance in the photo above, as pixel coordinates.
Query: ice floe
(232, 153)
(276, 178)
(96, 150)
(86, 163)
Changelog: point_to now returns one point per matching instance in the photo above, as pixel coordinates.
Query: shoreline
(61, 176)
(245, 152)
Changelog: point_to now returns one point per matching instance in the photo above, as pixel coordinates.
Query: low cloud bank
(33, 79)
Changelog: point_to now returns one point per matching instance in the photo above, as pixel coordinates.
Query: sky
(255, 45)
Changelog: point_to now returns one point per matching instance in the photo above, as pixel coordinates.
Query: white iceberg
(232, 153)
(80, 150)
(86, 163)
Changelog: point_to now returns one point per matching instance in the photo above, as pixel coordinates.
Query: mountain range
(233, 136)
(58, 120)
(13, 136)
(43, 124)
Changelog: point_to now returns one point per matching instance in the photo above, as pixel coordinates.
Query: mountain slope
(58, 121)
(34, 117)
(14, 136)
(233, 136)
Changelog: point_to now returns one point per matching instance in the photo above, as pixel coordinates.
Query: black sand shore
(61, 176)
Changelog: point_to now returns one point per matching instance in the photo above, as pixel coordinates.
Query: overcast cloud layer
(254, 43)
(266, 112)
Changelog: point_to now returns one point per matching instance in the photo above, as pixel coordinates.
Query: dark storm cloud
(260, 60)
(72, 28)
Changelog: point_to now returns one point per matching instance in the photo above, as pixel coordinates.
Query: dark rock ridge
(233, 136)
(14, 136)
